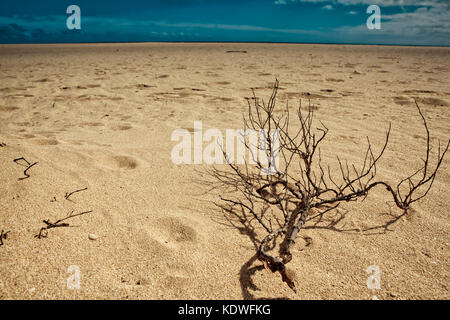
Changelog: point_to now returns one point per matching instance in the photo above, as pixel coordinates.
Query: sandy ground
(101, 117)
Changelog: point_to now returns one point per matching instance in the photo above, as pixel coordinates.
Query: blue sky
(403, 22)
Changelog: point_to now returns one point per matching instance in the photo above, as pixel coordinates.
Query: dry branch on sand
(43, 232)
(280, 203)
(69, 194)
(28, 166)
(3, 236)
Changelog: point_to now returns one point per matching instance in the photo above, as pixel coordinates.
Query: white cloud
(328, 7)
(234, 27)
(422, 26)
(381, 3)
(428, 24)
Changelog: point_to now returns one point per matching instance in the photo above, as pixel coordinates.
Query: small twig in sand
(57, 224)
(3, 235)
(18, 159)
(29, 166)
(67, 196)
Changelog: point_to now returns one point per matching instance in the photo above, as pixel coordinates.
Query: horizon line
(239, 42)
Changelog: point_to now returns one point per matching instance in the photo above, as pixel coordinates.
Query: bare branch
(28, 167)
(43, 232)
(304, 189)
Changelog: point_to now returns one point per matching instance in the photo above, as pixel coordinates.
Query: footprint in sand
(22, 124)
(46, 142)
(92, 124)
(177, 231)
(144, 86)
(402, 100)
(42, 80)
(173, 236)
(435, 102)
(20, 96)
(121, 127)
(418, 91)
(125, 162)
(8, 109)
(334, 80)
(154, 243)
(175, 281)
(225, 99)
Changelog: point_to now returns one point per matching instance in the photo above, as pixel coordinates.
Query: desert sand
(100, 116)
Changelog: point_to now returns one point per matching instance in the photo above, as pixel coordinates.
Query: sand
(100, 116)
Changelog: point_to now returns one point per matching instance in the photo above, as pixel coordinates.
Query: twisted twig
(43, 232)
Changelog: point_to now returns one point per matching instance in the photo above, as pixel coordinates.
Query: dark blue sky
(405, 22)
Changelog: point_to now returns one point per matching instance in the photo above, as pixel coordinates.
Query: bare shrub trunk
(280, 203)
